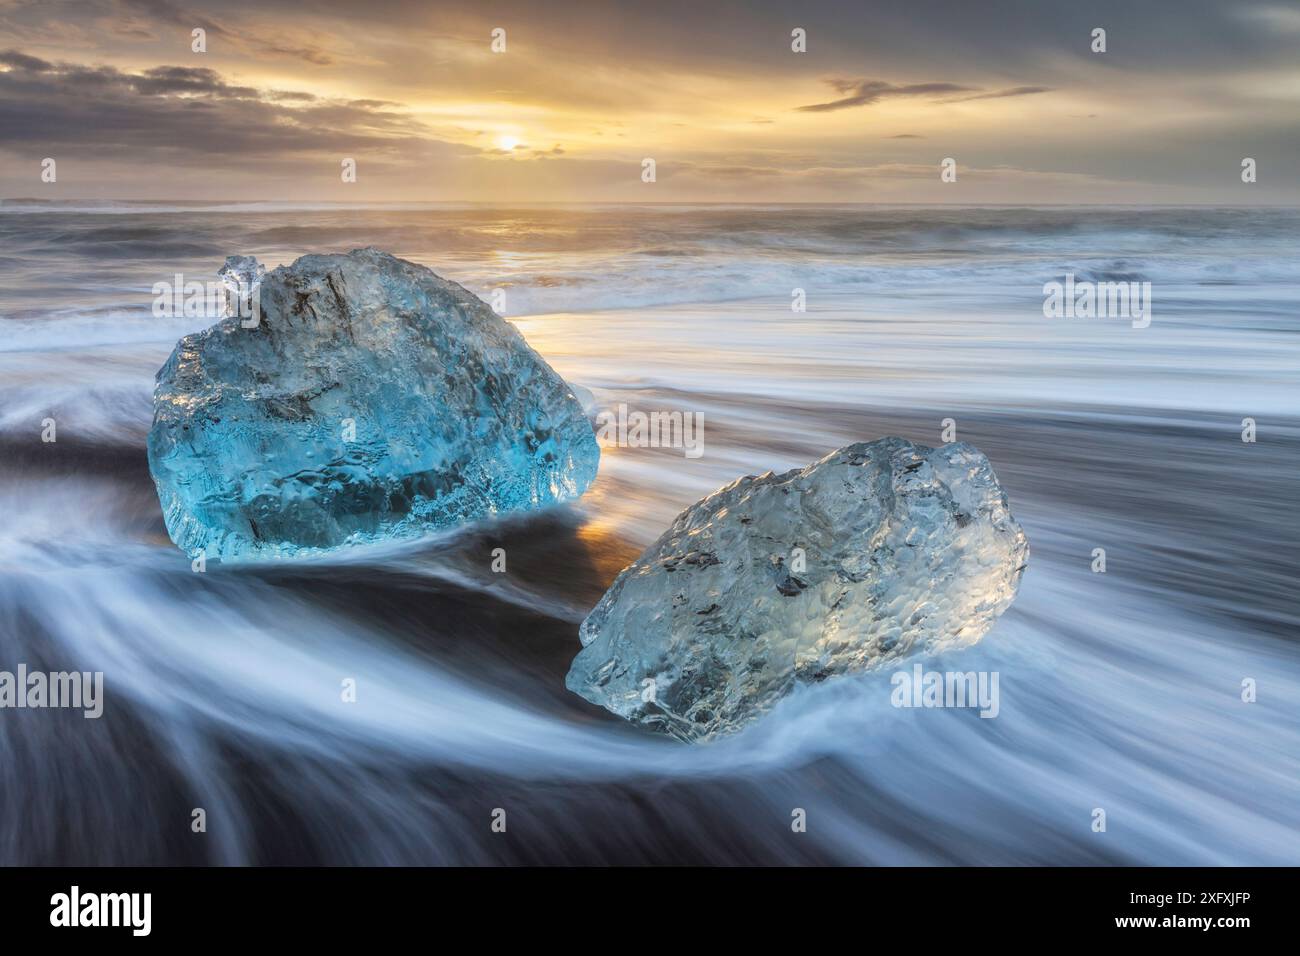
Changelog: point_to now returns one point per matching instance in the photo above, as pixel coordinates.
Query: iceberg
(879, 550)
(366, 398)
(241, 277)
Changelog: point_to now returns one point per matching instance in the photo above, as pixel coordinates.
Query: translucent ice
(241, 276)
(366, 398)
(878, 550)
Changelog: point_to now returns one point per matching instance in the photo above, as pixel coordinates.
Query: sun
(507, 142)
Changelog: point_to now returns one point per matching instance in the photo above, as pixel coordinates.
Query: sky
(713, 92)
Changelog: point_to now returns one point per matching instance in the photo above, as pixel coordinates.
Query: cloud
(166, 12)
(999, 94)
(112, 85)
(292, 96)
(174, 110)
(167, 80)
(1272, 18)
(866, 92)
(21, 61)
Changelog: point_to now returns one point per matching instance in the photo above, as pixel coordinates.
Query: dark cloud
(310, 54)
(192, 112)
(167, 80)
(21, 61)
(999, 94)
(866, 92)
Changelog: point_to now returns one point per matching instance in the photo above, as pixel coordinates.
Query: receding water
(1120, 691)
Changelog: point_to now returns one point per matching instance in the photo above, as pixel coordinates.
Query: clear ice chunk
(879, 550)
(371, 399)
(242, 277)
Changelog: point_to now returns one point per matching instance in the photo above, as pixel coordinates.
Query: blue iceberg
(354, 398)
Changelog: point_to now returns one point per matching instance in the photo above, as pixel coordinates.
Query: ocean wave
(229, 667)
(1120, 690)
